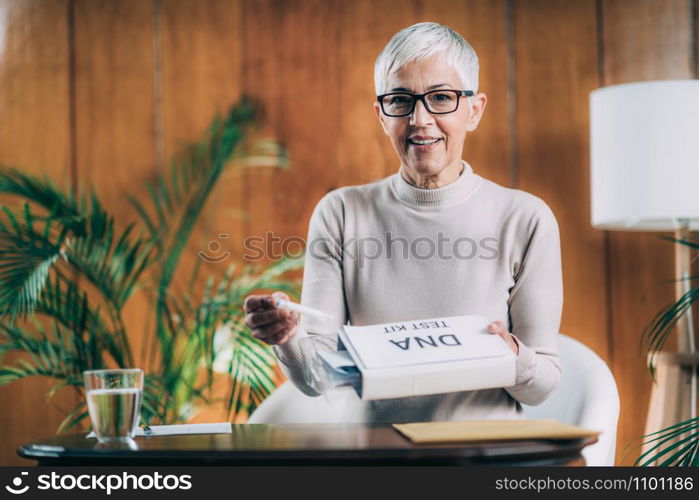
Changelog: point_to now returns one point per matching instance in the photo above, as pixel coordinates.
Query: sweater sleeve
(535, 305)
(323, 286)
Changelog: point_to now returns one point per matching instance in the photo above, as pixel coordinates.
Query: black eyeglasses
(438, 102)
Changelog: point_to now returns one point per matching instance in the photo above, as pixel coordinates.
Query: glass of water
(114, 402)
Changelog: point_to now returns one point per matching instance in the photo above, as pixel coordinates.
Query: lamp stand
(674, 396)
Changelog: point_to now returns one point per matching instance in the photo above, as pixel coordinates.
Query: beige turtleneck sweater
(389, 251)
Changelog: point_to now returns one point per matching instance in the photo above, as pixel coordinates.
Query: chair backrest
(587, 396)
(288, 405)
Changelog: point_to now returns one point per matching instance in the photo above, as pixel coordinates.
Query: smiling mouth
(423, 145)
(423, 142)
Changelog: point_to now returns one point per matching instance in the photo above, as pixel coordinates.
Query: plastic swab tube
(292, 306)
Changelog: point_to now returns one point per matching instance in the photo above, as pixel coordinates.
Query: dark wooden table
(300, 444)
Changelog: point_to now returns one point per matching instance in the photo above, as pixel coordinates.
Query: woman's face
(438, 163)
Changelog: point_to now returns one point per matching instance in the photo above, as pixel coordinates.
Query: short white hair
(423, 40)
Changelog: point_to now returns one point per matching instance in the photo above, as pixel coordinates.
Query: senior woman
(433, 239)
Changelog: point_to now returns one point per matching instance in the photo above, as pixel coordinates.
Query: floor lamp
(644, 176)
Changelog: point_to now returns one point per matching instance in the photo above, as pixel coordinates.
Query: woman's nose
(420, 116)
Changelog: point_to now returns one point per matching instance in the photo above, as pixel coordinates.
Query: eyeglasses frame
(421, 97)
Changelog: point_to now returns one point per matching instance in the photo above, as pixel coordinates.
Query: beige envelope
(491, 430)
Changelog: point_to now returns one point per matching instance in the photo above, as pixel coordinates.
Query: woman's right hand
(270, 324)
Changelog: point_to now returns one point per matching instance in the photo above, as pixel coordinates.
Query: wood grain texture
(290, 66)
(201, 52)
(114, 89)
(201, 78)
(556, 61)
(115, 115)
(484, 25)
(365, 153)
(34, 137)
(150, 74)
(643, 40)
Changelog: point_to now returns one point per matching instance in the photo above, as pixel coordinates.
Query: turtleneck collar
(441, 197)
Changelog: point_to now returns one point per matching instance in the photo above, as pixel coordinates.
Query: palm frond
(112, 263)
(59, 203)
(63, 301)
(74, 381)
(673, 440)
(199, 175)
(54, 353)
(251, 366)
(689, 243)
(221, 306)
(26, 257)
(656, 333)
(67, 272)
(74, 418)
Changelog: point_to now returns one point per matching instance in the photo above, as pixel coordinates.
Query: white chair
(586, 396)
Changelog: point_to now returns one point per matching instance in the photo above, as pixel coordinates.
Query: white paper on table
(171, 430)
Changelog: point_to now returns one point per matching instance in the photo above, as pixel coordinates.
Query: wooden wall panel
(556, 68)
(150, 74)
(34, 129)
(485, 27)
(115, 96)
(647, 40)
(34, 136)
(643, 40)
(115, 114)
(290, 65)
(364, 152)
(202, 77)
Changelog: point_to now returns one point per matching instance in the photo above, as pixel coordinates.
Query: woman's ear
(380, 116)
(477, 105)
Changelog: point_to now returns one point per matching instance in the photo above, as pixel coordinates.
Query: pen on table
(292, 306)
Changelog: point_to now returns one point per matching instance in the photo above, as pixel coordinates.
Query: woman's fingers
(268, 323)
(281, 338)
(499, 328)
(260, 318)
(257, 302)
(280, 295)
(279, 332)
(268, 332)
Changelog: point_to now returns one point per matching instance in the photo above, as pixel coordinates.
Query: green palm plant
(677, 444)
(67, 271)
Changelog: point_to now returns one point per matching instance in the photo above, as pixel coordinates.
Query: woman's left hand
(499, 328)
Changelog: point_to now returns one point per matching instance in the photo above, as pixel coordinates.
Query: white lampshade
(644, 142)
